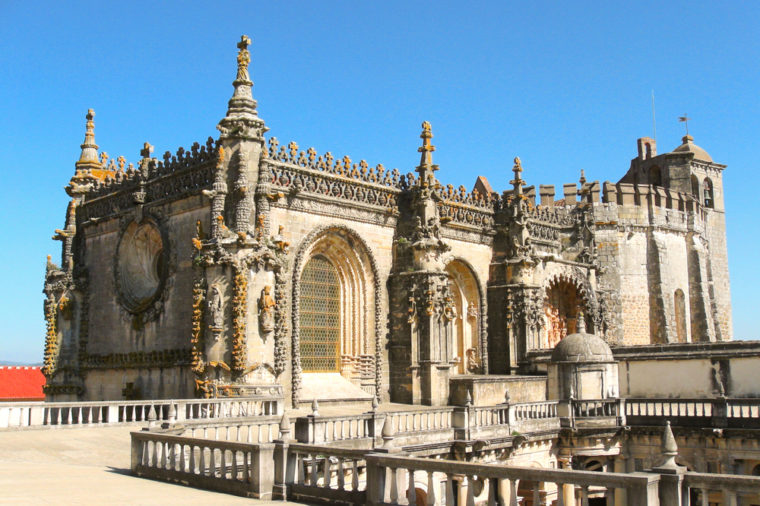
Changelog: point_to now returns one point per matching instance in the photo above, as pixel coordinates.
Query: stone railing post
(460, 421)
(181, 410)
(113, 413)
(36, 416)
(284, 467)
(720, 412)
(646, 494)
(565, 413)
(375, 480)
(621, 412)
(378, 476)
(136, 453)
(262, 470)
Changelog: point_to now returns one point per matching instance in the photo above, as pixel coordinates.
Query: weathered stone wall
(690, 370)
(121, 344)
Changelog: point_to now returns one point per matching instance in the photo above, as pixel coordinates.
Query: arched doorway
(563, 305)
(466, 336)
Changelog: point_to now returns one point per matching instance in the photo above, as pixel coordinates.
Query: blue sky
(565, 87)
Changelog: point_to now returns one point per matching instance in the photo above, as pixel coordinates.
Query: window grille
(320, 317)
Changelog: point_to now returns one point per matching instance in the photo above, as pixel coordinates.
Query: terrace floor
(86, 466)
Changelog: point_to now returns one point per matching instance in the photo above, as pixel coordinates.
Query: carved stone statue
(449, 309)
(215, 309)
(472, 310)
(473, 361)
(266, 311)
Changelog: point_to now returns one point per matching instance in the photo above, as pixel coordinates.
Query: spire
(669, 447)
(517, 182)
(89, 157)
(242, 119)
(426, 168)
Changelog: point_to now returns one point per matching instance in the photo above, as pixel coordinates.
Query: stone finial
(581, 325)
(243, 59)
(173, 412)
(242, 119)
(284, 426)
(89, 157)
(375, 403)
(517, 183)
(146, 150)
(314, 407)
(507, 398)
(426, 168)
(152, 416)
(669, 448)
(582, 180)
(468, 399)
(387, 432)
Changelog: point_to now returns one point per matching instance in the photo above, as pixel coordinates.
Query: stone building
(245, 265)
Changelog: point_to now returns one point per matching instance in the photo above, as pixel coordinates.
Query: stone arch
(471, 330)
(360, 304)
(695, 187)
(567, 293)
(709, 196)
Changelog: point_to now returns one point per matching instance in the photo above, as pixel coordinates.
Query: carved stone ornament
(266, 312)
(141, 266)
(215, 306)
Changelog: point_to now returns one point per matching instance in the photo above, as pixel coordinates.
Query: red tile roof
(21, 383)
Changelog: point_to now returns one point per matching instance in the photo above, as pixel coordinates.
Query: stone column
(621, 496)
(567, 489)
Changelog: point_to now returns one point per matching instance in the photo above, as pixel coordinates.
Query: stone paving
(86, 466)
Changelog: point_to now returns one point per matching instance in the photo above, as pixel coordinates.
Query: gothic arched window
(320, 316)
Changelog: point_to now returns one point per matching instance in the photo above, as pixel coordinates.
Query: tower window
(708, 192)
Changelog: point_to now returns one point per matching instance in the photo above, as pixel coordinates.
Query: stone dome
(688, 146)
(582, 348)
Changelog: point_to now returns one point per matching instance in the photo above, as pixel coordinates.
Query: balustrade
(326, 473)
(408, 421)
(217, 465)
(395, 480)
(701, 489)
(534, 410)
(41, 414)
(595, 408)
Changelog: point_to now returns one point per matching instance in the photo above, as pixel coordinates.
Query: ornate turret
(89, 157)
(88, 168)
(242, 119)
(517, 183)
(426, 169)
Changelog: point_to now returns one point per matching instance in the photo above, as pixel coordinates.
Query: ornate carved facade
(245, 263)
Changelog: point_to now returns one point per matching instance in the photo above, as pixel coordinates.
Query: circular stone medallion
(141, 265)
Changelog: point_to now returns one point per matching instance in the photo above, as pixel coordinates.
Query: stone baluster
(411, 494)
(431, 486)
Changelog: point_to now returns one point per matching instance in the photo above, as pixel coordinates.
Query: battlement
(623, 194)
